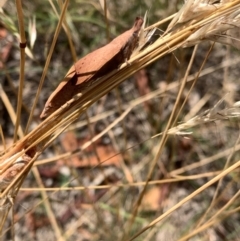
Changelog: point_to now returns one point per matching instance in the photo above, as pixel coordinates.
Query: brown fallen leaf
(155, 198)
(107, 154)
(93, 66)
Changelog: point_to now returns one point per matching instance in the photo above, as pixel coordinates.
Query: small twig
(22, 46)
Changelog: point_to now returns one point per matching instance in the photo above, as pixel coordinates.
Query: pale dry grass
(187, 28)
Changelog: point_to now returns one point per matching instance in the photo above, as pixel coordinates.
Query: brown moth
(93, 66)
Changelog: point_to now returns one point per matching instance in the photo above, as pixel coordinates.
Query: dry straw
(197, 21)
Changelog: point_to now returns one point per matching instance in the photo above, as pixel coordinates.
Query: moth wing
(59, 94)
(92, 66)
(88, 67)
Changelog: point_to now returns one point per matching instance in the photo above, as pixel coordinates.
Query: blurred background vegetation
(96, 213)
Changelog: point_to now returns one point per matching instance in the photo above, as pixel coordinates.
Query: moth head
(138, 24)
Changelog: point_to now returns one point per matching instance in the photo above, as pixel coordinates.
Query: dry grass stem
(197, 21)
